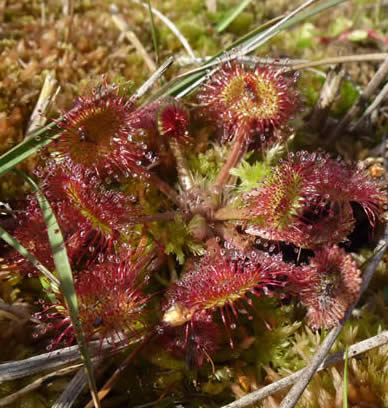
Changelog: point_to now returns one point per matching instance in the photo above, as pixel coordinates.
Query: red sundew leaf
(258, 100)
(111, 301)
(195, 341)
(173, 121)
(329, 285)
(98, 222)
(96, 133)
(305, 200)
(221, 283)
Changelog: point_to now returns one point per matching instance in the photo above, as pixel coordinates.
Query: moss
(241, 24)
(348, 96)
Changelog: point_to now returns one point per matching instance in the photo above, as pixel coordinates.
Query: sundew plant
(178, 224)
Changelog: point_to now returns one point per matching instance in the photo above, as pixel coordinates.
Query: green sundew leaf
(345, 383)
(232, 15)
(14, 243)
(25, 149)
(65, 274)
(153, 31)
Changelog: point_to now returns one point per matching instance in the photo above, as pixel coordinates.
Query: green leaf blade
(224, 23)
(65, 274)
(26, 148)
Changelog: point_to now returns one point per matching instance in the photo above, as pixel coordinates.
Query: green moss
(191, 30)
(176, 238)
(241, 24)
(348, 96)
(207, 165)
(32, 400)
(250, 174)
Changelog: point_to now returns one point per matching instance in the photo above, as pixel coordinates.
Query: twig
(73, 389)
(131, 37)
(376, 102)
(47, 95)
(104, 391)
(370, 89)
(152, 80)
(326, 98)
(54, 359)
(9, 399)
(381, 56)
(184, 60)
(171, 26)
(296, 391)
(354, 350)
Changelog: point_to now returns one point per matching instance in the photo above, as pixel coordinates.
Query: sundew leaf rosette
(112, 305)
(105, 218)
(96, 133)
(306, 200)
(252, 101)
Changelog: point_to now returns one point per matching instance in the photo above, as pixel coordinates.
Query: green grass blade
(154, 32)
(63, 269)
(310, 13)
(251, 42)
(247, 44)
(345, 383)
(232, 15)
(288, 22)
(14, 243)
(25, 149)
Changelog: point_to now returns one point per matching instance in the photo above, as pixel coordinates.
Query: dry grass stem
(9, 399)
(328, 93)
(72, 391)
(152, 80)
(354, 350)
(369, 90)
(296, 391)
(104, 391)
(53, 360)
(380, 56)
(121, 24)
(47, 95)
(171, 26)
(373, 106)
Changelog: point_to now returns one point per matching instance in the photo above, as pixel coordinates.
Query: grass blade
(181, 87)
(25, 149)
(275, 29)
(153, 32)
(345, 383)
(231, 16)
(252, 41)
(63, 269)
(14, 243)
